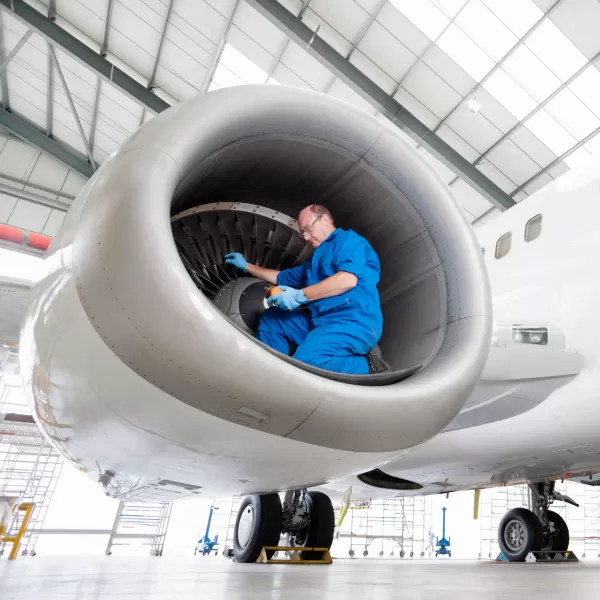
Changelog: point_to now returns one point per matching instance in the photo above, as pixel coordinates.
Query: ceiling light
(473, 105)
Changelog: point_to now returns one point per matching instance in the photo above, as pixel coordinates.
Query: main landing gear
(522, 531)
(306, 518)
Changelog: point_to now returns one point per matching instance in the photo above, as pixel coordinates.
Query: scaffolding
(138, 523)
(494, 504)
(389, 526)
(583, 522)
(29, 465)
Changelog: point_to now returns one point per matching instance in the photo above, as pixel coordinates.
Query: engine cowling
(202, 166)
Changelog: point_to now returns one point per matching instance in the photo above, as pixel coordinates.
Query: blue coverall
(336, 333)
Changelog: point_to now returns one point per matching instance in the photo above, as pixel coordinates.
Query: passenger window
(533, 228)
(503, 245)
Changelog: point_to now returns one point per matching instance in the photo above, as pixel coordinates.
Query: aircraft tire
(258, 524)
(321, 524)
(519, 533)
(560, 541)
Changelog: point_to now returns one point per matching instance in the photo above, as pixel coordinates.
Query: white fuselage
(551, 282)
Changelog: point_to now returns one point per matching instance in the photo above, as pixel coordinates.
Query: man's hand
(237, 260)
(289, 299)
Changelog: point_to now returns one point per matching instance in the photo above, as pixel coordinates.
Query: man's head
(315, 223)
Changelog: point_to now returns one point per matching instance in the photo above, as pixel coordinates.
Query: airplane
(140, 366)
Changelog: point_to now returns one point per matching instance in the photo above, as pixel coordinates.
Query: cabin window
(533, 228)
(503, 245)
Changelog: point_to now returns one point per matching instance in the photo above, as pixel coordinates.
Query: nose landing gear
(522, 531)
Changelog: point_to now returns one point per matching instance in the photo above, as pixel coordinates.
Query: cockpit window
(503, 245)
(533, 228)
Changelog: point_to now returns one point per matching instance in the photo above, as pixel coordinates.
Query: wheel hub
(514, 535)
(245, 525)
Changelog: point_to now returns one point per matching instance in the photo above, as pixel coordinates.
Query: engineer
(338, 286)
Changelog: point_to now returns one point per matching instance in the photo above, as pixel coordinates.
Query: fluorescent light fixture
(473, 105)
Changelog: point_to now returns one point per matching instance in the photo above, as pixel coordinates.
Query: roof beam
(342, 68)
(72, 106)
(103, 50)
(558, 160)
(36, 186)
(161, 42)
(281, 52)
(50, 72)
(3, 78)
(15, 50)
(84, 54)
(220, 48)
(358, 40)
(35, 198)
(37, 138)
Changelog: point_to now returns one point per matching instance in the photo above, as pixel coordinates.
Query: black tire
(321, 524)
(519, 533)
(559, 541)
(264, 528)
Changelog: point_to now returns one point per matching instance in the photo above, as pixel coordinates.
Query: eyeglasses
(306, 230)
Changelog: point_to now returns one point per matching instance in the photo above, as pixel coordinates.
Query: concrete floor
(215, 577)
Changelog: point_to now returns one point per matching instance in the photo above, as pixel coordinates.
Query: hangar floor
(216, 577)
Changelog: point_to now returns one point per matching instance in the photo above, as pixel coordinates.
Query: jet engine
(228, 171)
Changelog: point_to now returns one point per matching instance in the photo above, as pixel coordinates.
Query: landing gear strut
(306, 518)
(522, 531)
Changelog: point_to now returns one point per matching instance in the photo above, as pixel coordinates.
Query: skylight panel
(555, 49)
(587, 88)
(510, 94)
(424, 14)
(486, 30)
(465, 53)
(518, 15)
(550, 132)
(223, 77)
(581, 156)
(528, 70)
(242, 66)
(568, 110)
(450, 7)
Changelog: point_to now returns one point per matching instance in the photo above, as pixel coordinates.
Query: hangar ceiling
(501, 96)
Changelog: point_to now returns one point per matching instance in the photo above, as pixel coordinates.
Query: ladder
(140, 522)
(236, 501)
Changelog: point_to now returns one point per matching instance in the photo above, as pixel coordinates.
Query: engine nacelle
(143, 247)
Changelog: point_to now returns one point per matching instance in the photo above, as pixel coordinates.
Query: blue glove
(289, 299)
(237, 260)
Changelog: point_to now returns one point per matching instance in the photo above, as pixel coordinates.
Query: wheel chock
(551, 557)
(295, 557)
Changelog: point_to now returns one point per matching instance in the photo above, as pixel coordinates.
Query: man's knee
(349, 363)
(271, 320)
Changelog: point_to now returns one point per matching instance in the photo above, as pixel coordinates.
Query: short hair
(320, 210)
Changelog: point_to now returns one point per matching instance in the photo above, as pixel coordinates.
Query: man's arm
(291, 298)
(293, 277)
(269, 275)
(337, 284)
